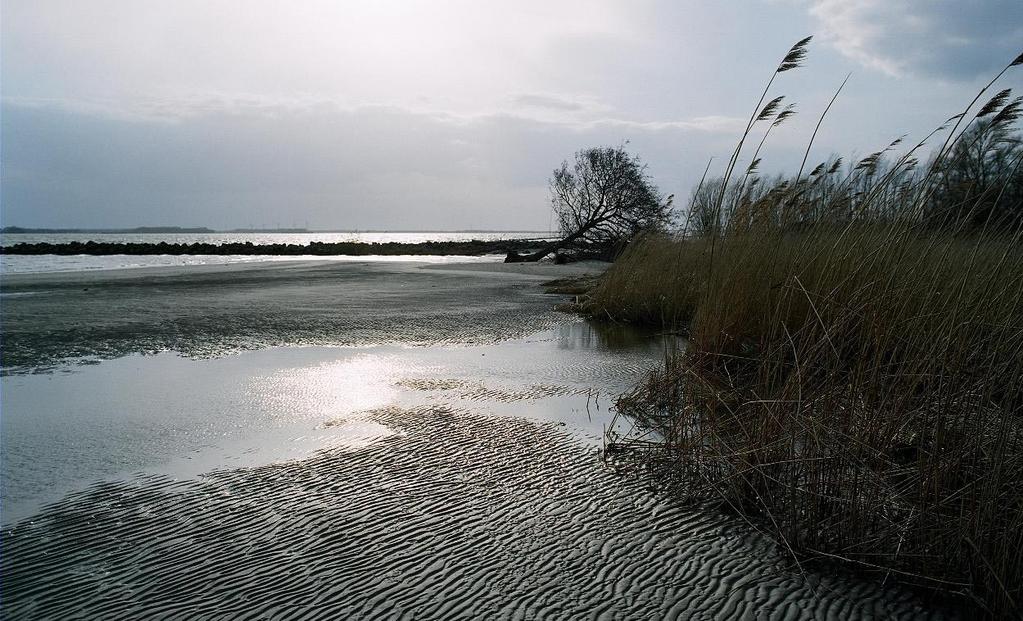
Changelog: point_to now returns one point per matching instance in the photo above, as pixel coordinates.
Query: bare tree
(602, 199)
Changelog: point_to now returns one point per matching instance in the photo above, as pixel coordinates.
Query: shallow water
(89, 422)
(47, 263)
(212, 310)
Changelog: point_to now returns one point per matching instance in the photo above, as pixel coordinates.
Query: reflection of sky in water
(261, 238)
(357, 382)
(30, 263)
(183, 417)
(16, 264)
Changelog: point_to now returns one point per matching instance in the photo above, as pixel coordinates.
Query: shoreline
(470, 248)
(445, 405)
(210, 310)
(468, 268)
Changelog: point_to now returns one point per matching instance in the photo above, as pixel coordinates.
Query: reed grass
(853, 380)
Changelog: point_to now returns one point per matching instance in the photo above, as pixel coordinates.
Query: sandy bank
(545, 270)
(212, 310)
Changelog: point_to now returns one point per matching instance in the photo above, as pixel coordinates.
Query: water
(259, 239)
(22, 264)
(279, 403)
(45, 263)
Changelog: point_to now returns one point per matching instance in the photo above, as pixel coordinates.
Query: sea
(23, 264)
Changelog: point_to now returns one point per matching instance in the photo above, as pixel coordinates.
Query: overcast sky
(442, 114)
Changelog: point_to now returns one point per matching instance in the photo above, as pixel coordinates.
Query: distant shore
(179, 230)
(470, 247)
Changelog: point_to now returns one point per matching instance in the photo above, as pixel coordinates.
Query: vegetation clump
(853, 379)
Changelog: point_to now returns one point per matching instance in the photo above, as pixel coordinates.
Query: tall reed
(854, 375)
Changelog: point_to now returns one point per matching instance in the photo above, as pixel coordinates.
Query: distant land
(15, 230)
(138, 229)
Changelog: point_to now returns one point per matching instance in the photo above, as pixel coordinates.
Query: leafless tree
(602, 199)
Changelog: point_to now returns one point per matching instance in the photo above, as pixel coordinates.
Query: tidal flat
(353, 440)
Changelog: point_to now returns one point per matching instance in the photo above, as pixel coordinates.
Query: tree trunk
(533, 257)
(515, 257)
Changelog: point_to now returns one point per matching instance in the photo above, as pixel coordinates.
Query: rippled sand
(454, 516)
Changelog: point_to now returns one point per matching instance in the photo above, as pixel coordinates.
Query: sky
(444, 114)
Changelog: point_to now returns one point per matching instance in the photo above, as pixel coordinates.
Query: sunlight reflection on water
(181, 417)
(362, 382)
(44, 263)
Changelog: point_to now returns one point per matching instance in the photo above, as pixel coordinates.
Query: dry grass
(576, 285)
(854, 375)
(860, 390)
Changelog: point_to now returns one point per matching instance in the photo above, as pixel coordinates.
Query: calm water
(21, 264)
(8, 239)
(166, 413)
(42, 263)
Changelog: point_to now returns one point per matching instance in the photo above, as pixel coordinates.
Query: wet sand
(433, 455)
(455, 516)
(210, 310)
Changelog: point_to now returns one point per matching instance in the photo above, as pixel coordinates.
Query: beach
(209, 310)
(313, 439)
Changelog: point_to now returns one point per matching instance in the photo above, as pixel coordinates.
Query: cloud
(727, 125)
(591, 114)
(461, 54)
(548, 101)
(412, 113)
(949, 39)
(227, 163)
